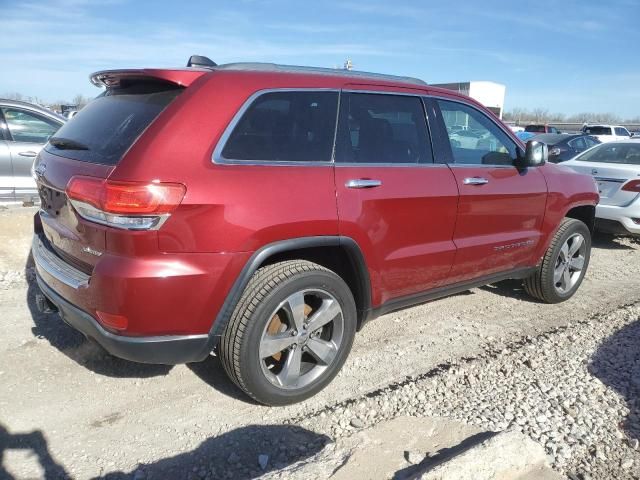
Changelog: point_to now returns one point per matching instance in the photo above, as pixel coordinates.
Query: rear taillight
(632, 186)
(128, 205)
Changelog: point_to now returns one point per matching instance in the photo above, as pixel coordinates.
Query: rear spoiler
(182, 77)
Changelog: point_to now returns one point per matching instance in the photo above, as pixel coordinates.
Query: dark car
(564, 147)
(267, 212)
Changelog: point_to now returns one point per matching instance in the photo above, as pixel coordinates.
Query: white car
(616, 168)
(607, 133)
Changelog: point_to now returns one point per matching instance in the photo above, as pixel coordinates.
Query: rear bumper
(624, 216)
(164, 349)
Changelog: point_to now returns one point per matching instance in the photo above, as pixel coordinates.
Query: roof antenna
(200, 61)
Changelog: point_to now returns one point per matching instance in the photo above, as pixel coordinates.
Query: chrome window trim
(56, 267)
(477, 165)
(217, 157)
(387, 164)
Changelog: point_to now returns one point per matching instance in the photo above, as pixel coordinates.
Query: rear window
(628, 153)
(535, 129)
(109, 125)
(597, 130)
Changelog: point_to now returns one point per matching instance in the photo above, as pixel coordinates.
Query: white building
(490, 94)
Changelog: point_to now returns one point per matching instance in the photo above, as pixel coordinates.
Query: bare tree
(80, 101)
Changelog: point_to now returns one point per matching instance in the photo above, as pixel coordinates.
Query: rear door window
(382, 128)
(291, 126)
(25, 126)
(109, 125)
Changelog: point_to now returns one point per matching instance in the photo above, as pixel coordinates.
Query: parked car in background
(607, 133)
(564, 147)
(541, 128)
(299, 209)
(516, 128)
(616, 168)
(24, 129)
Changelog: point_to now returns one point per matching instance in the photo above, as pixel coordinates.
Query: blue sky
(567, 56)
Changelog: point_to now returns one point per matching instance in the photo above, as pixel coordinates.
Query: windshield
(628, 153)
(107, 127)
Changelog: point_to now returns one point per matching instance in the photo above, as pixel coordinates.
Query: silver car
(616, 168)
(24, 129)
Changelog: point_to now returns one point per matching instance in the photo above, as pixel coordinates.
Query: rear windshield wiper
(67, 144)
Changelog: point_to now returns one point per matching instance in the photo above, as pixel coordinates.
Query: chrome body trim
(475, 181)
(78, 206)
(363, 183)
(613, 180)
(49, 262)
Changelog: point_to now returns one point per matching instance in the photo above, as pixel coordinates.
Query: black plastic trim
(169, 350)
(422, 297)
(260, 256)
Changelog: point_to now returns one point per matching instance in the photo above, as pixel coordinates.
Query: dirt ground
(69, 409)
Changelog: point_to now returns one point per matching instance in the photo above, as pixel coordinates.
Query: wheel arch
(339, 254)
(585, 213)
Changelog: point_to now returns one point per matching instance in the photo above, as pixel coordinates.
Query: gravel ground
(575, 390)
(67, 409)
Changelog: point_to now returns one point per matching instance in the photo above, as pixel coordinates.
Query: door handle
(363, 183)
(28, 154)
(475, 181)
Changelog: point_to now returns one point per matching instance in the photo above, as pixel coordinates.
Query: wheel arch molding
(328, 251)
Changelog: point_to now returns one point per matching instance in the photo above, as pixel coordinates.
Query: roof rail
(273, 67)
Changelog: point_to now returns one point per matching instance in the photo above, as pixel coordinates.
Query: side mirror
(536, 154)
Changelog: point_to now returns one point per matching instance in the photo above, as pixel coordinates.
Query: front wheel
(290, 333)
(563, 265)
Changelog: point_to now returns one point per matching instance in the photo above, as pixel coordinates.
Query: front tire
(290, 333)
(564, 264)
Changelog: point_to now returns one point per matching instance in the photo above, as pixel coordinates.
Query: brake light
(632, 186)
(130, 205)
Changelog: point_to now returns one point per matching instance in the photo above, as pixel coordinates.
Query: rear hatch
(612, 165)
(91, 145)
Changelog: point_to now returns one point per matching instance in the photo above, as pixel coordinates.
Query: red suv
(266, 212)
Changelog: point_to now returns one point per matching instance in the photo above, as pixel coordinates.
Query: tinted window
(26, 126)
(597, 130)
(613, 153)
(535, 128)
(105, 129)
(482, 143)
(380, 128)
(286, 126)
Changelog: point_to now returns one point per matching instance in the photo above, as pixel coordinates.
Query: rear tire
(564, 264)
(290, 333)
